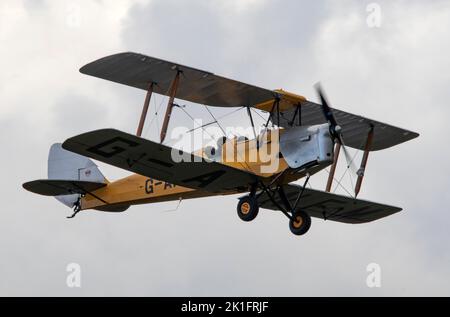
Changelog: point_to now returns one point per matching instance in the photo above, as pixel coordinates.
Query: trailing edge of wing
(155, 160)
(355, 128)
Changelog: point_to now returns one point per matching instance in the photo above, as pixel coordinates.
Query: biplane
(309, 137)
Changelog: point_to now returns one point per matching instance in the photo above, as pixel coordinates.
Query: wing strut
(337, 150)
(145, 109)
(253, 126)
(276, 105)
(173, 91)
(364, 162)
(298, 111)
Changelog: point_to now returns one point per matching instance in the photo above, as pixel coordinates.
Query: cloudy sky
(398, 73)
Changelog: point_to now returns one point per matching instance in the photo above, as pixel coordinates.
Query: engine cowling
(307, 146)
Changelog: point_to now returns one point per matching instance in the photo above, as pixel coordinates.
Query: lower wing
(331, 206)
(155, 160)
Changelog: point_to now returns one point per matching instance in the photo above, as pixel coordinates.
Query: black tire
(300, 223)
(247, 208)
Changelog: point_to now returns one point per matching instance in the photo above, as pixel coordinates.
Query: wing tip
(87, 68)
(66, 144)
(32, 187)
(27, 185)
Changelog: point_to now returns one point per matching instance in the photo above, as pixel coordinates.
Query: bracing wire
(345, 172)
(149, 125)
(349, 165)
(195, 121)
(224, 133)
(339, 184)
(254, 111)
(218, 123)
(155, 117)
(264, 125)
(216, 120)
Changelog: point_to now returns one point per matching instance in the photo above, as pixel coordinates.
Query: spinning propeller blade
(335, 129)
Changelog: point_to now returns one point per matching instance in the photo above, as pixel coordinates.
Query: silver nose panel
(307, 145)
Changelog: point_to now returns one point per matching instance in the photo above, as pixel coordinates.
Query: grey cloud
(203, 248)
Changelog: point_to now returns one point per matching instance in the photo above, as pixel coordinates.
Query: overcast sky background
(398, 73)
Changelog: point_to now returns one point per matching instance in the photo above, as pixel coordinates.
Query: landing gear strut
(299, 220)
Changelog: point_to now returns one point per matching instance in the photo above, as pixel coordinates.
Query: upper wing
(203, 87)
(331, 206)
(52, 187)
(197, 86)
(155, 160)
(354, 128)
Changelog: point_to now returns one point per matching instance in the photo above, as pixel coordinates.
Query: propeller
(335, 129)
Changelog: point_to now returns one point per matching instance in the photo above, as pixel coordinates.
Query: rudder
(66, 165)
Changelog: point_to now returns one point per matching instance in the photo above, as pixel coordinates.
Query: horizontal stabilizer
(51, 187)
(333, 207)
(155, 160)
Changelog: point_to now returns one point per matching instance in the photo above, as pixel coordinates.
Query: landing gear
(300, 223)
(299, 220)
(248, 208)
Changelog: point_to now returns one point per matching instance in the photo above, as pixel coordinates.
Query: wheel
(247, 208)
(300, 223)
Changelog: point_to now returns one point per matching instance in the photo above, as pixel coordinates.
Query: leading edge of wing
(155, 160)
(198, 86)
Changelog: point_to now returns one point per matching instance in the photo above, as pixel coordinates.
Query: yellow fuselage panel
(264, 161)
(132, 189)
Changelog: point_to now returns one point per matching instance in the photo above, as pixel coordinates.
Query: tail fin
(69, 175)
(65, 165)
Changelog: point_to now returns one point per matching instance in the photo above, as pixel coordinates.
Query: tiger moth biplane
(310, 139)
